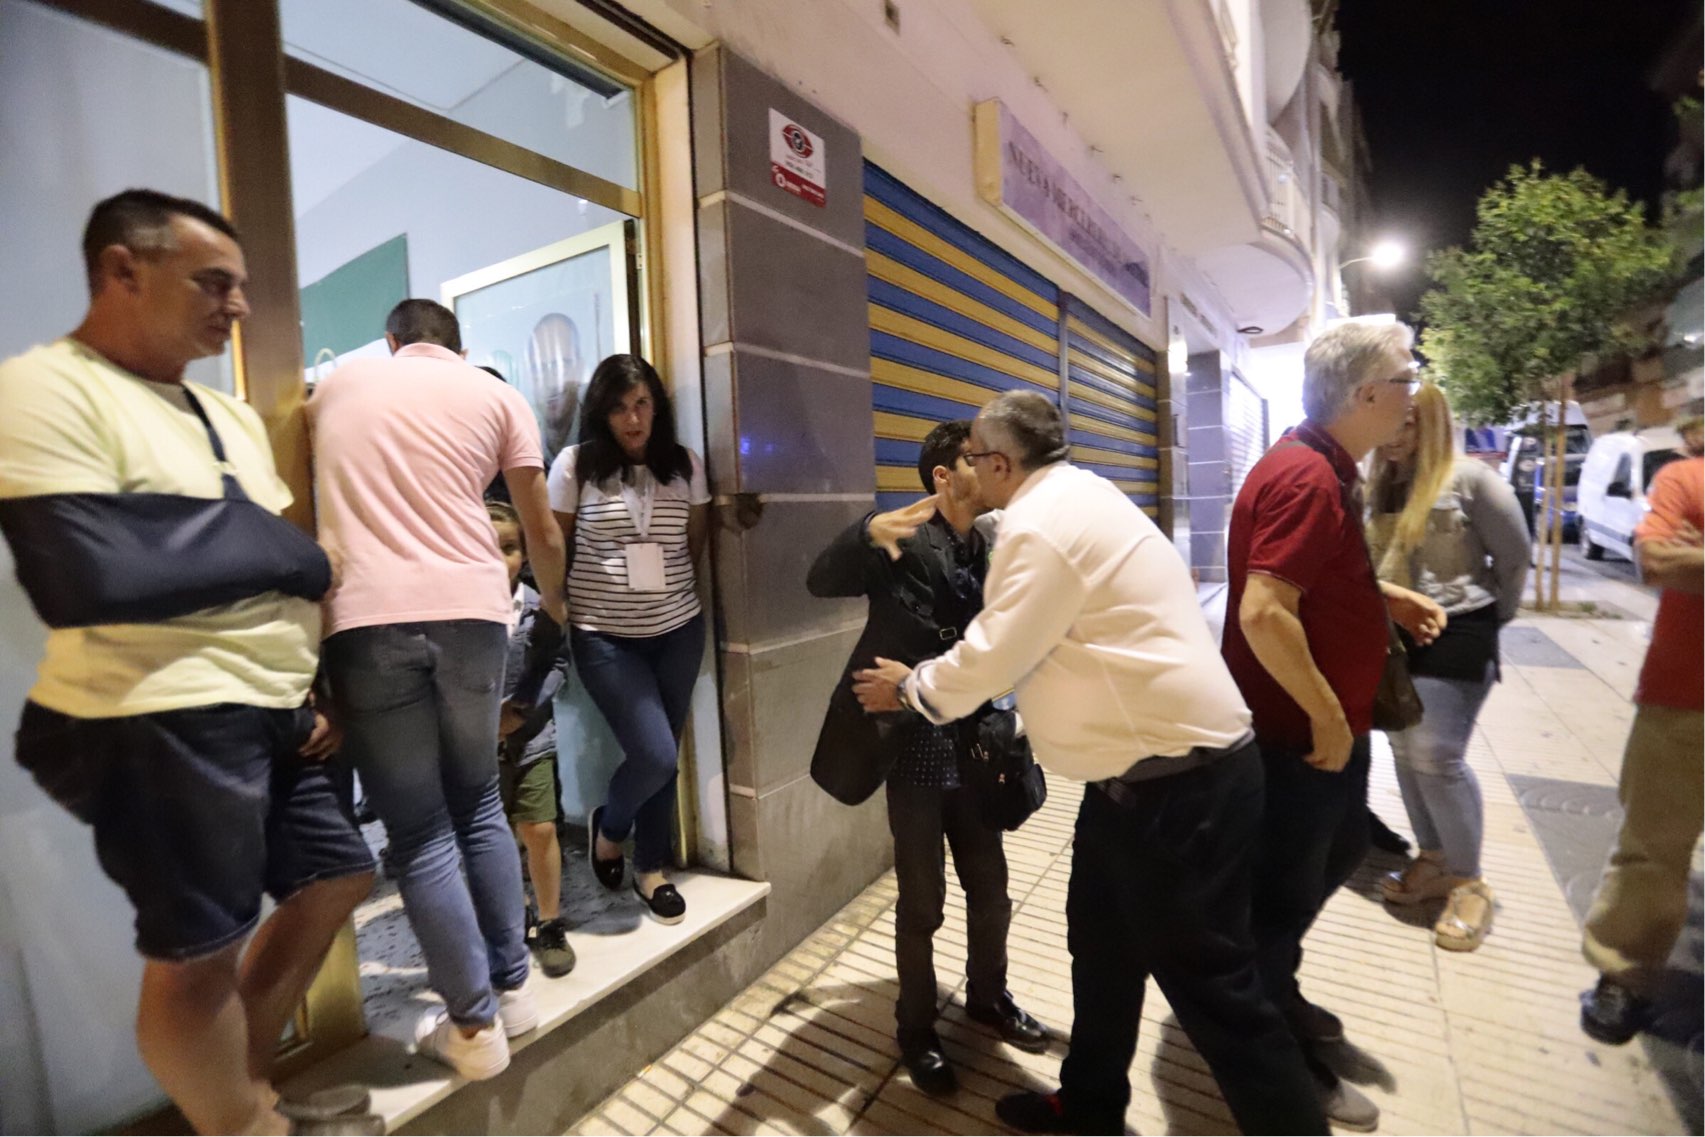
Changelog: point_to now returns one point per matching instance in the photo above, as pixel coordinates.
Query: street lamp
(1386, 255)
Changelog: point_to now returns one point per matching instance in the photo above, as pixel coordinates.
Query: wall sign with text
(1028, 184)
(797, 160)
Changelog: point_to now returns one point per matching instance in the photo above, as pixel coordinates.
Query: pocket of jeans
(375, 669)
(471, 659)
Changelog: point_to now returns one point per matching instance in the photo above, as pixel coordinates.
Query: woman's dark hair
(600, 455)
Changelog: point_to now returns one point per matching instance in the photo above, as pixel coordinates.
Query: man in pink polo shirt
(416, 631)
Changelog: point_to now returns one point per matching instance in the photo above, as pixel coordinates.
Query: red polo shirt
(1297, 518)
(1674, 672)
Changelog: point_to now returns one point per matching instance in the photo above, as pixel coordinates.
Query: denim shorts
(196, 812)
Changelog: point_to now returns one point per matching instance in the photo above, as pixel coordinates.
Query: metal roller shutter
(1246, 429)
(1111, 415)
(954, 321)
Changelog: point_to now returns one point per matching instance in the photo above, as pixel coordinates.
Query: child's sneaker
(530, 933)
(556, 958)
(482, 1055)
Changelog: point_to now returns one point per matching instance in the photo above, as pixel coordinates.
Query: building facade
(830, 224)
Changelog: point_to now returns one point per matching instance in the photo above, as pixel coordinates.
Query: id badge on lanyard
(644, 557)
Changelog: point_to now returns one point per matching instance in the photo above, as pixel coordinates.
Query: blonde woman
(1448, 527)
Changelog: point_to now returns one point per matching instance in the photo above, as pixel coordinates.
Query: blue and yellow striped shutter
(1111, 393)
(954, 321)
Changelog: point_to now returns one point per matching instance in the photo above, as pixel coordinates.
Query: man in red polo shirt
(1642, 900)
(1307, 644)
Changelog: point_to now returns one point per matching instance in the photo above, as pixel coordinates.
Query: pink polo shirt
(403, 450)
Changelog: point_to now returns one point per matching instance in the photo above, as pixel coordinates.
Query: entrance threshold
(405, 1085)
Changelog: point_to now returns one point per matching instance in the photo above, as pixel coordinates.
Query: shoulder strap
(233, 490)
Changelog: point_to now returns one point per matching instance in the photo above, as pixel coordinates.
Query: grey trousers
(1440, 791)
(920, 820)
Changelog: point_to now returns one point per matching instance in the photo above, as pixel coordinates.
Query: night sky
(1454, 91)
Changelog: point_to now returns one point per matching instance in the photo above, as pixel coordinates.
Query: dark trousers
(1314, 837)
(1160, 886)
(920, 818)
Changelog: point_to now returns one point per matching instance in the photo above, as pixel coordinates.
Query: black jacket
(915, 614)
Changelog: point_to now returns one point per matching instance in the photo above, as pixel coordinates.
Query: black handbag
(997, 765)
(1396, 704)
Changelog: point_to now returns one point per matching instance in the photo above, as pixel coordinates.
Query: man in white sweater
(1090, 616)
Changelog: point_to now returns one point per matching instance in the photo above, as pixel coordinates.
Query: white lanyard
(639, 502)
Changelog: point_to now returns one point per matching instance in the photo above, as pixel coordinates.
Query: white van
(1614, 479)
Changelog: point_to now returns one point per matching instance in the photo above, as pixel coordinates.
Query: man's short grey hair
(1344, 357)
(1026, 427)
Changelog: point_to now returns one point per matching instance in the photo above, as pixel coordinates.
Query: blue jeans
(643, 686)
(1440, 791)
(419, 705)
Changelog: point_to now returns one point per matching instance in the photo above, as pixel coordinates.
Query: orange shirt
(1674, 671)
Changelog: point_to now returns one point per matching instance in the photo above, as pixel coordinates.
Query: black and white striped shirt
(599, 599)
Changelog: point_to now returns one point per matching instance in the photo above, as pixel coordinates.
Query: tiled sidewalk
(1446, 1043)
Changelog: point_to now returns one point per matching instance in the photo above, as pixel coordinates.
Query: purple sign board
(1015, 173)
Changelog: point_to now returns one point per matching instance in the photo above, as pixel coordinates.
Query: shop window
(404, 50)
(84, 113)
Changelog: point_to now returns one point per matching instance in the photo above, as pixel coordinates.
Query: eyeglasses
(973, 456)
(1411, 377)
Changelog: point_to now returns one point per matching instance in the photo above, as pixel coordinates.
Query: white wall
(1276, 372)
(910, 97)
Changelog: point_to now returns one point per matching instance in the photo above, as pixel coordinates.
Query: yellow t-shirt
(73, 422)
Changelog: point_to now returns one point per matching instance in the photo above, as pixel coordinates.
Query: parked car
(1614, 479)
(1524, 463)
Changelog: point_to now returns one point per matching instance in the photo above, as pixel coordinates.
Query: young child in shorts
(534, 671)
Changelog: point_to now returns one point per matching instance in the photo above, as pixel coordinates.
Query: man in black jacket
(922, 568)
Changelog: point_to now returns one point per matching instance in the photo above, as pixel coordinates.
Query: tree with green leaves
(1554, 264)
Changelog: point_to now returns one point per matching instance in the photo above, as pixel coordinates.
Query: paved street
(1447, 1043)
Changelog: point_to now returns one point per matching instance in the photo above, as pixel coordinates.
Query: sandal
(1454, 930)
(1424, 878)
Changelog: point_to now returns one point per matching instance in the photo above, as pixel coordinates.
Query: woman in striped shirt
(634, 509)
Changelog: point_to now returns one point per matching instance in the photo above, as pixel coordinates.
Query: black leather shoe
(929, 1069)
(1612, 1014)
(1384, 838)
(1015, 1026)
(609, 873)
(1312, 1023)
(1031, 1112)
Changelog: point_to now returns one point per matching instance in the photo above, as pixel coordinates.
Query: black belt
(1148, 769)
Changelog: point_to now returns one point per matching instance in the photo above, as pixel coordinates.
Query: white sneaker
(517, 1009)
(484, 1055)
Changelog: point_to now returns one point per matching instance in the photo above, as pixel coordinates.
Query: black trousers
(1314, 837)
(920, 819)
(1160, 886)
